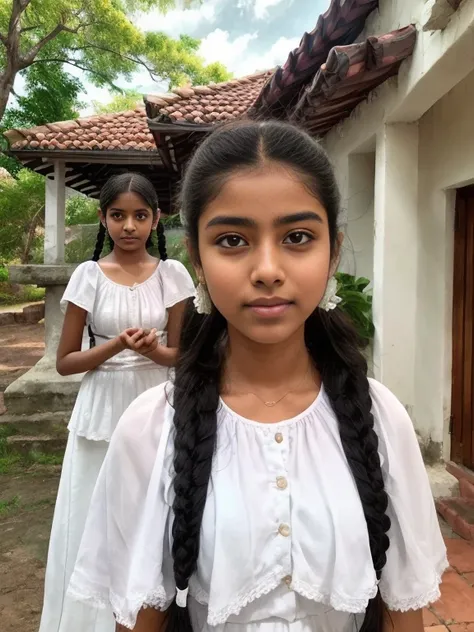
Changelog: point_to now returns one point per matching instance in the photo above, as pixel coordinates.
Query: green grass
(6, 506)
(37, 458)
(28, 294)
(9, 463)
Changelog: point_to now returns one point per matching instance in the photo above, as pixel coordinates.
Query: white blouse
(284, 543)
(111, 308)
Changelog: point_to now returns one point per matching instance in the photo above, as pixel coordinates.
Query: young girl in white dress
(272, 487)
(118, 298)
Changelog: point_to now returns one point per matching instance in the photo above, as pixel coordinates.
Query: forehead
(129, 201)
(263, 194)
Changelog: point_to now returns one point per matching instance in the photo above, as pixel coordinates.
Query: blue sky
(245, 35)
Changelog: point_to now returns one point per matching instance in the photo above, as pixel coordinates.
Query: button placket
(278, 452)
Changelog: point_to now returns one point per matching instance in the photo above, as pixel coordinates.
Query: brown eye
(298, 238)
(232, 241)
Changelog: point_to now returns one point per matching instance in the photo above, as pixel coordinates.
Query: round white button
(278, 437)
(284, 530)
(282, 483)
(288, 579)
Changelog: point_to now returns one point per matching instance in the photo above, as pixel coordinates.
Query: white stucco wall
(446, 161)
(358, 248)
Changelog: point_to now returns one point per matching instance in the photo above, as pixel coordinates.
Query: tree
(127, 100)
(95, 36)
(21, 213)
(50, 95)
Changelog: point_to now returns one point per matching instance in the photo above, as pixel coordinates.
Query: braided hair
(124, 183)
(330, 338)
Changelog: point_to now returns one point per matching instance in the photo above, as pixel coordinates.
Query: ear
(337, 255)
(156, 220)
(101, 217)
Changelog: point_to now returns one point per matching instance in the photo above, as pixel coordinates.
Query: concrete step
(40, 444)
(459, 514)
(53, 424)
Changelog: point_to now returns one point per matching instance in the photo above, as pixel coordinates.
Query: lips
(269, 307)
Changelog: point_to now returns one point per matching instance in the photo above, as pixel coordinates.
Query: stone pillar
(395, 259)
(55, 216)
(42, 391)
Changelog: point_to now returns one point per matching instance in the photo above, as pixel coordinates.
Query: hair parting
(330, 338)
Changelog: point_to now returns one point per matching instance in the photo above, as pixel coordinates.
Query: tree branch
(135, 60)
(80, 67)
(26, 60)
(29, 28)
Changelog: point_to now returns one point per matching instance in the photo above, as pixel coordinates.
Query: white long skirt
(82, 461)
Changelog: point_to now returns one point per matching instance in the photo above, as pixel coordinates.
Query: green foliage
(356, 302)
(98, 37)
(172, 221)
(50, 95)
(81, 210)
(3, 274)
(21, 213)
(25, 294)
(127, 100)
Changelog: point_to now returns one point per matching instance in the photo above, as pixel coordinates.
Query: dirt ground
(27, 496)
(21, 346)
(26, 511)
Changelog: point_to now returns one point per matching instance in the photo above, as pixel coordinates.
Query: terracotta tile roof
(123, 131)
(206, 105)
(348, 76)
(340, 25)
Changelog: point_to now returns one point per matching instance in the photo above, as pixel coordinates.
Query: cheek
(311, 277)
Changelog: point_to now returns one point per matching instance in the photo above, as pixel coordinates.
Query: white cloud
(260, 7)
(179, 21)
(237, 57)
(218, 46)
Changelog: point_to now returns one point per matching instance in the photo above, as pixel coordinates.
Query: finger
(137, 335)
(150, 339)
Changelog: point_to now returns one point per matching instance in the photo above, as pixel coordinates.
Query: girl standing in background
(132, 304)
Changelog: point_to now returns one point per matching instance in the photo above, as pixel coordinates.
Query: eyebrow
(137, 210)
(284, 220)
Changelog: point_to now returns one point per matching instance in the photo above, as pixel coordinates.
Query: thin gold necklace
(274, 402)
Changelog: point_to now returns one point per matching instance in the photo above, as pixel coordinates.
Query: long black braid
(115, 186)
(331, 340)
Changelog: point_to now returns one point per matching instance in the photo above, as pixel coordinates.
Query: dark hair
(123, 183)
(330, 338)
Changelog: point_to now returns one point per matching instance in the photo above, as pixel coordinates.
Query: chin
(270, 335)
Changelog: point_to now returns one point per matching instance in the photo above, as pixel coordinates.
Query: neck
(266, 366)
(124, 257)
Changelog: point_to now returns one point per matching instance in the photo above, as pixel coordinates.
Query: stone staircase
(458, 511)
(41, 433)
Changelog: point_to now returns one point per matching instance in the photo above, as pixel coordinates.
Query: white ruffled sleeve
(124, 560)
(416, 558)
(177, 283)
(81, 289)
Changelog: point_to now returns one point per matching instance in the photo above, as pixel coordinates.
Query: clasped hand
(142, 341)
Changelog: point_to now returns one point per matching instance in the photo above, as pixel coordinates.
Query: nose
(267, 270)
(129, 225)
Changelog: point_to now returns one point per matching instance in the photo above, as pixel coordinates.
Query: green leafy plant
(356, 302)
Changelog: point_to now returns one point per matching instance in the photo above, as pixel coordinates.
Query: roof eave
(81, 155)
